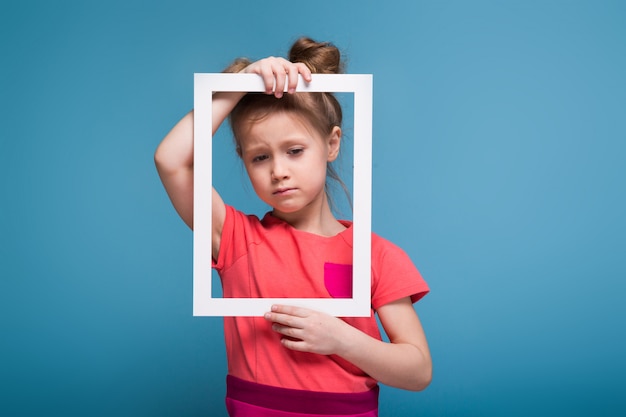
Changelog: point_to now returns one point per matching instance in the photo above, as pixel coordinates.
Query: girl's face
(286, 161)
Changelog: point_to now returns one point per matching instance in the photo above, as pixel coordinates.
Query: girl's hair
(321, 110)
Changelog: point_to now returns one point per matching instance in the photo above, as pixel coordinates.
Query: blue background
(499, 135)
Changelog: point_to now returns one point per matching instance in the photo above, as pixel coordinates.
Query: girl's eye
(259, 158)
(295, 151)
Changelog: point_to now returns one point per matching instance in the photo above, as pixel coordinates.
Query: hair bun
(320, 57)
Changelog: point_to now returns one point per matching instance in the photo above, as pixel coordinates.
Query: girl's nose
(279, 171)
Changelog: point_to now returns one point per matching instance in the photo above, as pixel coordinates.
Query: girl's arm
(174, 162)
(174, 156)
(403, 363)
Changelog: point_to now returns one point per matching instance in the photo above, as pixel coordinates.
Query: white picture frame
(204, 304)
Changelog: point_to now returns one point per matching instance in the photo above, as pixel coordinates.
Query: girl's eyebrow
(293, 142)
(284, 143)
(255, 146)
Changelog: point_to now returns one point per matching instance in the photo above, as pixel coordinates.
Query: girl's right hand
(278, 72)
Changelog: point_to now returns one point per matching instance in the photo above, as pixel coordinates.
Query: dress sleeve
(394, 276)
(225, 240)
(238, 232)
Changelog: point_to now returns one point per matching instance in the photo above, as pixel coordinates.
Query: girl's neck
(319, 221)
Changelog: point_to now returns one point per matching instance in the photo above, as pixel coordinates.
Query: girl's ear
(334, 143)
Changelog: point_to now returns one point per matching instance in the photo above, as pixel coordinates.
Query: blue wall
(500, 140)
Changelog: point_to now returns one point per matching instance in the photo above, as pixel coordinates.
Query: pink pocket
(338, 280)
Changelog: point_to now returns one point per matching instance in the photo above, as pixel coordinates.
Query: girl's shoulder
(382, 246)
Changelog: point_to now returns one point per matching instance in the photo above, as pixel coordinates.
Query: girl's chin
(284, 211)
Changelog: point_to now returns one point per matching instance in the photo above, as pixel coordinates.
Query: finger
(304, 71)
(297, 345)
(290, 310)
(268, 80)
(280, 75)
(293, 71)
(290, 332)
(287, 315)
(264, 68)
(292, 75)
(284, 320)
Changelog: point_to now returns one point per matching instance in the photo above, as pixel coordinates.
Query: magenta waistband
(301, 401)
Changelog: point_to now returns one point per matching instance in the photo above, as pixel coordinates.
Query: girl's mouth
(284, 191)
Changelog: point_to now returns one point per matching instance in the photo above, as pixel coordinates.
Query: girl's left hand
(308, 330)
(278, 72)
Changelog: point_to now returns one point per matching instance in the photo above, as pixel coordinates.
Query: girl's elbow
(422, 383)
(421, 379)
(165, 163)
(160, 158)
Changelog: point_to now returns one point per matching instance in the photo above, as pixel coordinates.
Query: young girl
(295, 361)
